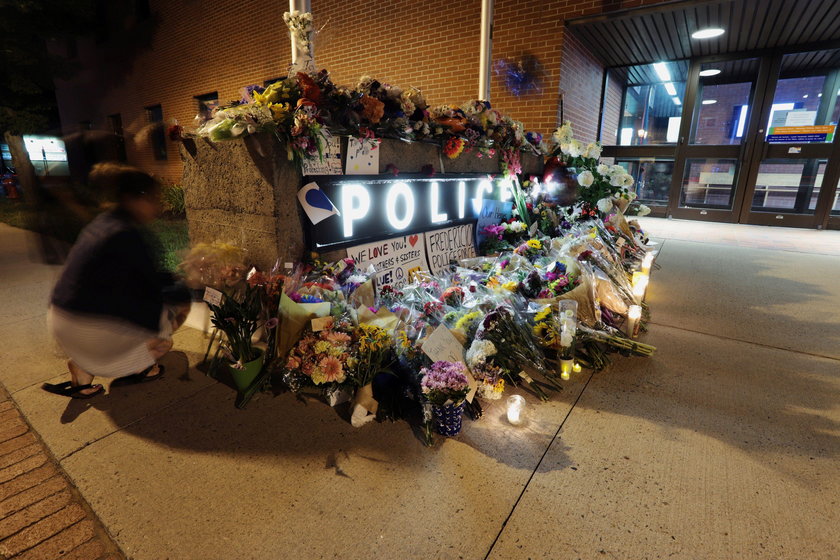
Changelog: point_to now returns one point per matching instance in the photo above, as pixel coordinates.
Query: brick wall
(188, 49)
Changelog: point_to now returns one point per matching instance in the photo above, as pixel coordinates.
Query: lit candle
(640, 283)
(634, 313)
(566, 367)
(515, 410)
(576, 368)
(647, 262)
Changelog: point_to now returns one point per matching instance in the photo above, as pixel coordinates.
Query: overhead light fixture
(709, 72)
(709, 101)
(669, 87)
(805, 96)
(676, 101)
(662, 71)
(707, 33)
(819, 95)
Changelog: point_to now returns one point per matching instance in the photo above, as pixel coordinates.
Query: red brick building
(158, 60)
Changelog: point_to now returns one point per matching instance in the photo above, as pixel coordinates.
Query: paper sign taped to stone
(330, 164)
(362, 157)
(449, 244)
(395, 260)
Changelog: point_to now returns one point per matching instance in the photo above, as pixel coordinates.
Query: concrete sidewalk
(723, 445)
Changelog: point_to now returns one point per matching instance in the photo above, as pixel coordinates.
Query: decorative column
(486, 57)
(299, 21)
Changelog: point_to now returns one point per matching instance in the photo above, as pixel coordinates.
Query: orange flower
(373, 109)
(308, 88)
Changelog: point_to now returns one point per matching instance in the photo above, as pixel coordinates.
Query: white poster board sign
(362, 157)
(445, 245)
(330, 164)
(395, 260)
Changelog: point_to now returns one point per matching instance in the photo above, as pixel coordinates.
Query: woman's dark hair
(119, 181)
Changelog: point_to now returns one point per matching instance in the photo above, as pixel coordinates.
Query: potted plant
(239, 320)
(446, 386)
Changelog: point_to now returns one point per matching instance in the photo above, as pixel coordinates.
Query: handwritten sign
(395, 260)
(442, 345)
(362, 157)
(493, 212)
(449, 244)
(213, 297)
(330, 164)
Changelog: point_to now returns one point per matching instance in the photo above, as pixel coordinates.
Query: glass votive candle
(516, 410)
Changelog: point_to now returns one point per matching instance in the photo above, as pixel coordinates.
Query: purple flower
(271, 323)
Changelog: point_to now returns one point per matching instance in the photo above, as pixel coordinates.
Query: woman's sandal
(144, 377)
(67, 389)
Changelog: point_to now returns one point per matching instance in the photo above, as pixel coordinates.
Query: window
(157, 136)
(115, 125)
(643, 104)
(206, 103)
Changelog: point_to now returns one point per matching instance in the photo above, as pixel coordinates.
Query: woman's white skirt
(104, 346)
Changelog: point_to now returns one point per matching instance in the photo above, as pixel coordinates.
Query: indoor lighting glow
(709, 101)
(662, 71)
(707, 33)
(710, 72)
(641, 132)
(676, 101)
(669, 87)
(805, 96)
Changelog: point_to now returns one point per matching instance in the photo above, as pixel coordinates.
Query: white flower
(605, 205)
(627, 180)
(603, 169)
(586, 179)
(643, 210)
(617, 180)
(516, 227)
(617, 170)
(631, 196)
(575, 148)
(565, 339)
(479, 351)
(593, 150)
(563, 135)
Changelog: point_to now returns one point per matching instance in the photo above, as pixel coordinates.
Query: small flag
(315, 203)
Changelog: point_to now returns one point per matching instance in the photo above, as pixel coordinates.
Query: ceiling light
(676, 101)
(662, 71)
(819, 95)
(669, 87)
(707, 33)
(710, 72)
(709, 101)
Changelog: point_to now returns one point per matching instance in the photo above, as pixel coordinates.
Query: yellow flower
(322, 346)
(510, 286)
(465, 321)
(534, 244)
(279, 111)
(542, 314)
(499, 387)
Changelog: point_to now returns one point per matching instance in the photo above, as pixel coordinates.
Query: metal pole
(486, 50)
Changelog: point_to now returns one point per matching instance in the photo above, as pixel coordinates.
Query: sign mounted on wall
(372, 207)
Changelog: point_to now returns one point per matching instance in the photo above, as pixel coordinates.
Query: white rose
(617, 170)
(643, 210)
(627, 180)
(575, 148)
(605, 205)
(586, 179)
(593, 150)
(603, 169)
(565, 147)
(617, 180)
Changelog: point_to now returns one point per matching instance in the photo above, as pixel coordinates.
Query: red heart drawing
(413, 239)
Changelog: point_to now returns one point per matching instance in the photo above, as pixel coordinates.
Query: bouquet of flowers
(445, 383)
(321, 358)
(218, 265)
(489, 376)
(239, 320)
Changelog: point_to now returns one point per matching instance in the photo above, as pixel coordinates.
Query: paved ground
(724, 445)
(42, 516)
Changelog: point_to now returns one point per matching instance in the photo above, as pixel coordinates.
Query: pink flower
(337, 337)
(293, 362)
(332, 368)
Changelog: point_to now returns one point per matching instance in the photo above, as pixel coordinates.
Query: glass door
(795, 161)
(715, 143)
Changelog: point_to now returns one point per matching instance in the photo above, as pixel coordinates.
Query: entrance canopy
(663, 32)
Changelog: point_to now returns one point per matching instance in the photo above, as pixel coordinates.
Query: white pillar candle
(647, 262)
(634, 313)
(516, 410)
(640, 283)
